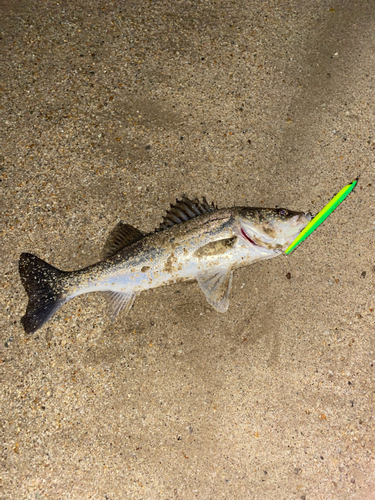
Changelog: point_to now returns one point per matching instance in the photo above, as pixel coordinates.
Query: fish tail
(43, 284)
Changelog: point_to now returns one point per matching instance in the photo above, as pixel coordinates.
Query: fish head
(272, 229)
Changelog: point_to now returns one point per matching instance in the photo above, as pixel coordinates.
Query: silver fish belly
(195, 241)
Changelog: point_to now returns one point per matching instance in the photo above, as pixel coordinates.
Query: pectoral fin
(216, 285)
(218, 247)
(118, 302)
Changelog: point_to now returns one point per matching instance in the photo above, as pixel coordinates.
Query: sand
(109, 111)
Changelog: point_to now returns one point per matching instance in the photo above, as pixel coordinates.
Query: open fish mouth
(302, 218)
(309, 217)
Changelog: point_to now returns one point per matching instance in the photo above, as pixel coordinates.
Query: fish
(195, 241)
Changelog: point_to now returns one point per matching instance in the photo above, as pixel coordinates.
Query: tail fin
(42, 283)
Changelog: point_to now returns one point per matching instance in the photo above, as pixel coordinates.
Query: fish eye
(283, 212)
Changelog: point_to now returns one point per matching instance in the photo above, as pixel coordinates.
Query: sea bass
(195, 241)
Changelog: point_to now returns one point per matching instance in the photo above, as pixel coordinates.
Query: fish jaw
(297, 226)
(272, 229)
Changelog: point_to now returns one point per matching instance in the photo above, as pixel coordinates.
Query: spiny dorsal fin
(120, 237)
(184, 210)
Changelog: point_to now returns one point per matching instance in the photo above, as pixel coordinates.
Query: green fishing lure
(322, 215)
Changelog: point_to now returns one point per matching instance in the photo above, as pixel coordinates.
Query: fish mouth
(308, 218)
(303, 218)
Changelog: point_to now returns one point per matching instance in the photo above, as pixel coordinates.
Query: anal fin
(216, 285)
(118, 302)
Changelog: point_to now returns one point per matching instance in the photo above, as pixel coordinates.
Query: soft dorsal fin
(120, 237)
(184, 210)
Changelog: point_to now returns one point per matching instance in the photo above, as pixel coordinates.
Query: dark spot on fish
(168, 266)
(269, 231)
(363, 274)
(145, 269)
(216, 247)
(288, 276)
(230, 241)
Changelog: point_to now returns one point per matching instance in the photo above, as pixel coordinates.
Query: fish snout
(303, 218)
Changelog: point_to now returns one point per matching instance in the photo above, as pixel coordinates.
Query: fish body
(195, 241)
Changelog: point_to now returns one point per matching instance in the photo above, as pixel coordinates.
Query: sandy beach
(109, 111)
